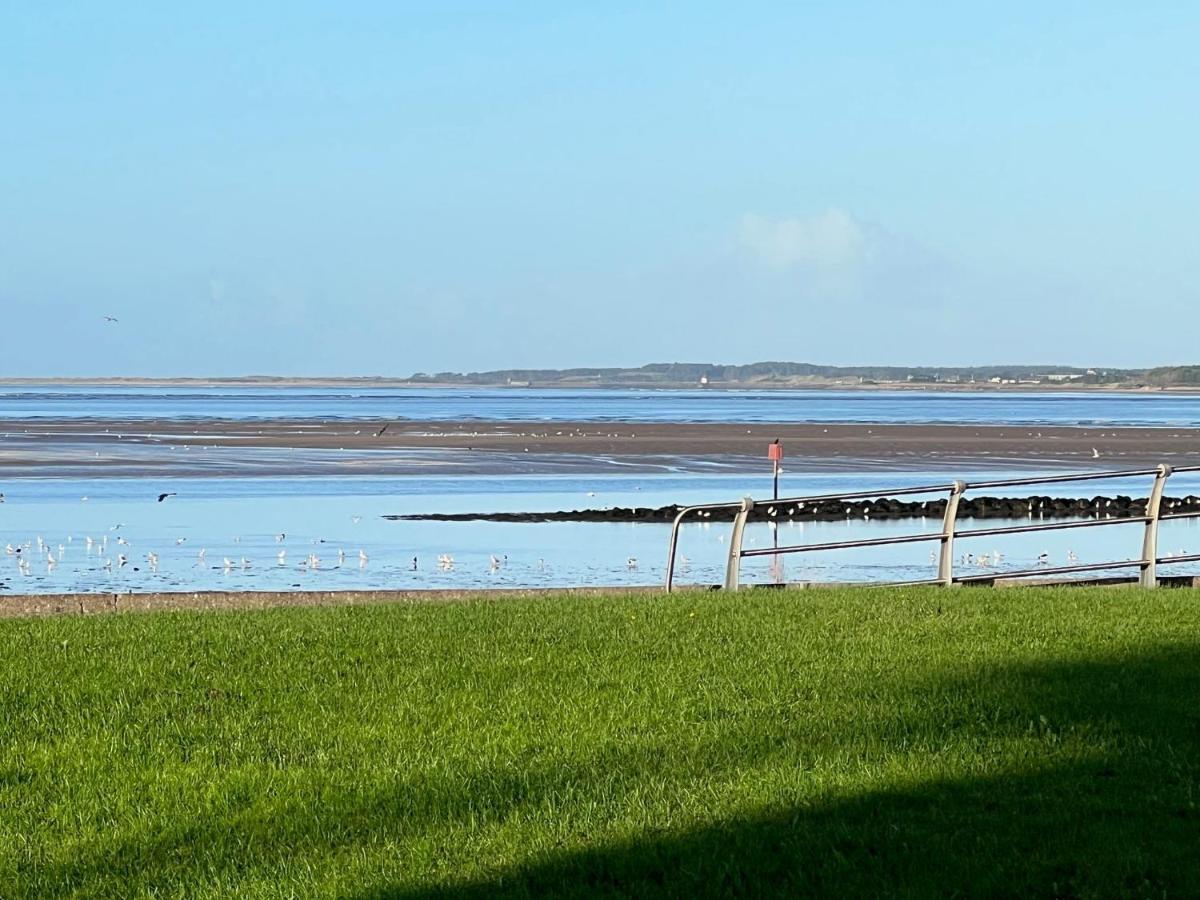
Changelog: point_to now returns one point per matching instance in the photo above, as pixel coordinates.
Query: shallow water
(526, 404)
(240, 519)
(321, 503)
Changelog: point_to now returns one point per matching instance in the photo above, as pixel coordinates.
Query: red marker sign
(775, 455)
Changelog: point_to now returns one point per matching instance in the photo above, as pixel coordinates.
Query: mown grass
(851, 742)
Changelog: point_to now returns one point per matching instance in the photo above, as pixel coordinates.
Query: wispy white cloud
(835, 257)
(833, 240)
(216, 289)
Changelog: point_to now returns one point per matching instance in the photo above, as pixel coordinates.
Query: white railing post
(1149, 577)
(946, 559)
(733, 568)
(674, 546)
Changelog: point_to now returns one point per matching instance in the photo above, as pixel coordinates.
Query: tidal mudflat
(287, 489)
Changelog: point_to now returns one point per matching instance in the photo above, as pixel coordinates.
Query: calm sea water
(242, 520)
(521, 404)
(238, 521)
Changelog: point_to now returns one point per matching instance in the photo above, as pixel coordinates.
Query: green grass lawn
(853, 742)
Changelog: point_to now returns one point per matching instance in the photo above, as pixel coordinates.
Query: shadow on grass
(1119, 819)
(1123, 822)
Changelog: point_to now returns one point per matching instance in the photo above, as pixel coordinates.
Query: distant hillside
(1169, 376)
(763, 375)
(767, 374)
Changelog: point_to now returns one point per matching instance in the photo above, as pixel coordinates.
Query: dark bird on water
(380, 432)
(162, 497)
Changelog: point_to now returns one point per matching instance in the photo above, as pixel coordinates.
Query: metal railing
(1147, 563)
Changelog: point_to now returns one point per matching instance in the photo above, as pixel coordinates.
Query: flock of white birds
(113, 552)
(100, 552)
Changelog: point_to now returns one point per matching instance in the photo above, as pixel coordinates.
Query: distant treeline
(1174, 375)
(760, 372)
(764, 374)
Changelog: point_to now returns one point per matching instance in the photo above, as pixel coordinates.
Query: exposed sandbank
(805, 446)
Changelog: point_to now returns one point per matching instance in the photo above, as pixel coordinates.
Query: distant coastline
(784, 376)
(1123, 387)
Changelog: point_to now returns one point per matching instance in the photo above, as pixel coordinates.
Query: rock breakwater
(887, 508)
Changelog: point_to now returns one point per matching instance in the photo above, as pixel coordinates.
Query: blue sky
(362, 188)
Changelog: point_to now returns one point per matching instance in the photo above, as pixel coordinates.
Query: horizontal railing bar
(938, 488)
(1190, 557)
(845, 545)
(1058, 479)
(1111, 520)
(825, 584)
(858, 495)
(937, 535)
(971, 486)
(1055, 526)
(1052, 570)
(701, 506)
(1165, 517)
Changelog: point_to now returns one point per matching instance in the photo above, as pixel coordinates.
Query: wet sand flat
(24, 442)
